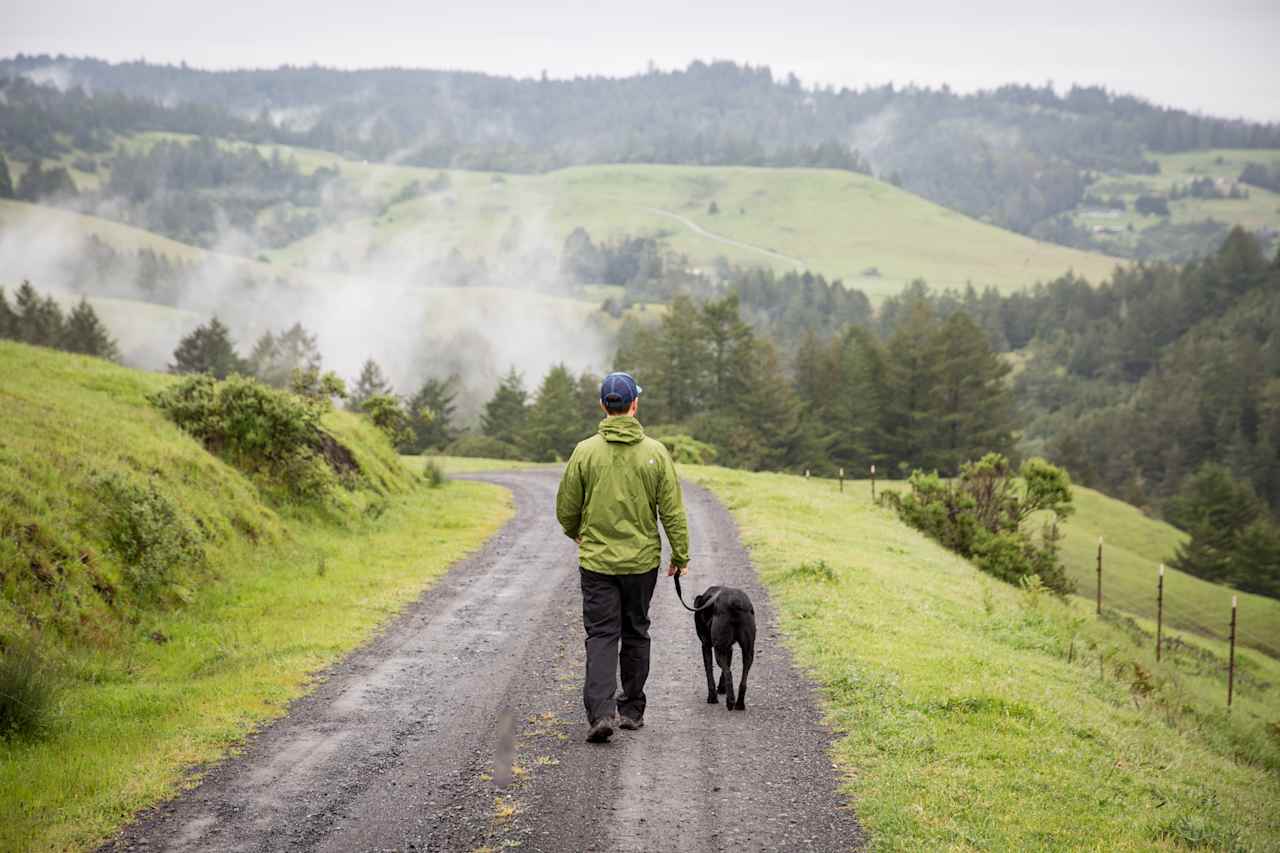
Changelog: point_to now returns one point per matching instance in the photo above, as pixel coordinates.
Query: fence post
(1099, 575)
(842, 480)
(806, 473)
(1231, 660)
(1159, 610)
(873, 481)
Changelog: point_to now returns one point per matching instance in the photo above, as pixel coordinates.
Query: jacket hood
(622, 429)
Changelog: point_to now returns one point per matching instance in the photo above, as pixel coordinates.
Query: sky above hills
(1217, 58)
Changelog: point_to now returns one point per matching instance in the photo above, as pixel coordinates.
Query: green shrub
(149, 534)
(688, 450)
(388, 414)
(818, 570)
(980, 516)
(28, 693)
(433, 473)
(262, 430)
(482, 447)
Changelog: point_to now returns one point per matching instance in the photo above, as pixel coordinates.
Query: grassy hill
(1125, 229)
(153, 680)
(975, 716)
(1134, 547)
(873, 235)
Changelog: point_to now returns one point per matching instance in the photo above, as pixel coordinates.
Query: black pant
(616, 607)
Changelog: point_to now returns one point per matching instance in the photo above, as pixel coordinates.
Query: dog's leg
(748, 655)
(712, 699)
(724, 657)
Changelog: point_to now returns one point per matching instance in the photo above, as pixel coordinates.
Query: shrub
(980, 516)
(688, 450)
(388, 414)
(28, 693)
(482, 446)
(433, 473)
(261, 430)
(151, 537)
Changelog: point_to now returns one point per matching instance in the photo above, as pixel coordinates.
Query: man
(615, 485)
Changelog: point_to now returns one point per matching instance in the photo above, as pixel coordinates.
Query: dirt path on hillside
(728, 241)
(396, 749)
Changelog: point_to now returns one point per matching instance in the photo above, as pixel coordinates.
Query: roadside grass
(469, 464)
(150, 690)
(974, 715)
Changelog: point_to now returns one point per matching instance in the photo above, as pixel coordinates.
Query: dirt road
(728, 241)
(396, 750)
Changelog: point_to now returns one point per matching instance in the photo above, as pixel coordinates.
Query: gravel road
(396, 749)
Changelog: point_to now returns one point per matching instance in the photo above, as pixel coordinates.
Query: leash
(680, 595)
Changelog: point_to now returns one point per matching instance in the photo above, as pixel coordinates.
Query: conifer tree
(208, 349)
(372, 382)
(39, 320)
(6, 179)
(507, 412)
(8, 318)
(912, 376)
(275, 357)
(972, 401)
(589, 402)
(431, 412)
(85, 333)
(858, 410)
(554, 424)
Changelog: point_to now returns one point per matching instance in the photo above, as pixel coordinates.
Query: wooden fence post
(1099, 575)
(841, 480)
(1159, 610)
(873, 481)
(1231, 661)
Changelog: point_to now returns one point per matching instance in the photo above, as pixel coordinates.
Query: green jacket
(615, 485)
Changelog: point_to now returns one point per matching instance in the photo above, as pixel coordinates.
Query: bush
(28, 693)
(388, 414)
(688, 450)
(482, 446)
(261, 430)
(433, 473)
(980, 516)
(151, 537)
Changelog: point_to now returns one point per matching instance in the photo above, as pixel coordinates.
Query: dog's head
(705, 596)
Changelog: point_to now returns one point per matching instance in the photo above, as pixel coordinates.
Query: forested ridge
(1015, 156)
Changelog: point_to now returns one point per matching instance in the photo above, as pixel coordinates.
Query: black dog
(726, 616)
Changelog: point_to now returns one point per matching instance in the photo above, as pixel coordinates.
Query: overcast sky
(1219, 58)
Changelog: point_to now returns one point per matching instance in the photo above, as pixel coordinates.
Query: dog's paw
(739, 706)
(728, 706)
(713, 699)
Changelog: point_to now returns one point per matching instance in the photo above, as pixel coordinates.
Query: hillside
(976, 716)
(1015, 155)
(1134, 546)
(230, 600)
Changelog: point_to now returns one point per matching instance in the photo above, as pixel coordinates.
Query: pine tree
(431, 414)
(275, 357)
(1215, 509)
(858, 411)
(39, 321)
(8, 319)
(589, 402)
(86, 334)
(554, 423)
(972, 401)
(372, 382)
(912, 378)
(507, 412)
(6, 180)
(208, 349)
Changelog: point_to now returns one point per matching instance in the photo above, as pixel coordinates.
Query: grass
(972, 715)
(1134, 546)
(468, 465)
(149, 689)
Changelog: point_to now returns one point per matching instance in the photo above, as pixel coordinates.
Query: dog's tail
(703, 606)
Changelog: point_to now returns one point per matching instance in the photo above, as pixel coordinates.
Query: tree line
(40, 321)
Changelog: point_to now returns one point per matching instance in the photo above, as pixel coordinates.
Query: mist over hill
(1015, 156)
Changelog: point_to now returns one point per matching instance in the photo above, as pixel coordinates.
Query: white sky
(1220, 58)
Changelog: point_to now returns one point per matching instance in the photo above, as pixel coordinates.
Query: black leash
(680, 595)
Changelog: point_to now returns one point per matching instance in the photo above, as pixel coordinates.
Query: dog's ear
(698, 599)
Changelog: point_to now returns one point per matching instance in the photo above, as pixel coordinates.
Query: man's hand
(673, 570)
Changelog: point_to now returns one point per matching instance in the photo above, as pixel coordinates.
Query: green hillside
(973, 716)
(158, 673)
(1134, 547)
(873, 235)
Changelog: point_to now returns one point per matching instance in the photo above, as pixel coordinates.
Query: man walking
(616, 484)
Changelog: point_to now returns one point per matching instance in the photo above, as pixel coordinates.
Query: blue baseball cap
(618, 389)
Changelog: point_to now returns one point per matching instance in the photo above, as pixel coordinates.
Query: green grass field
(1134, 546)
(151, 689)
(973, 715)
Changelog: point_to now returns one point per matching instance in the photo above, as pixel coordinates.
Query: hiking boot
(601, 730)
(625, 722)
